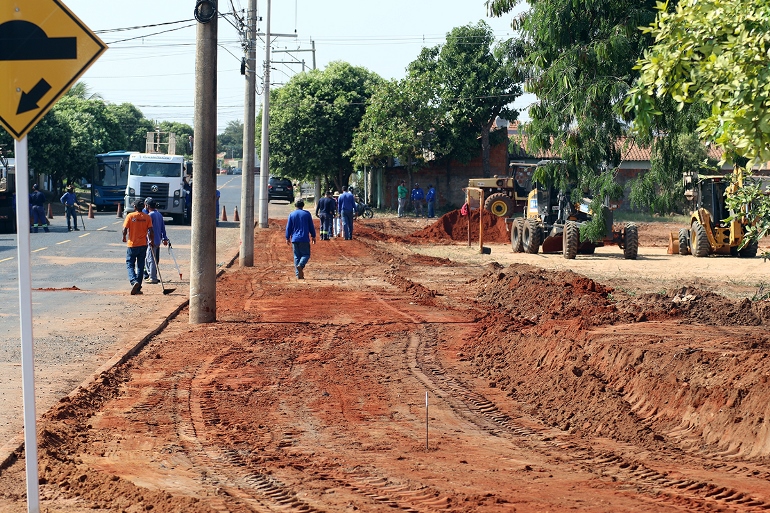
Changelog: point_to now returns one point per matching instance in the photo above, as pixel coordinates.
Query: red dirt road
(546, 391)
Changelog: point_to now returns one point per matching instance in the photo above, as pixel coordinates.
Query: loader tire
(630, 242)
(530, 236)
(699, 241)
(517, 229)
(749, 251)
(499, 204)
(684, 241)
(571, 239)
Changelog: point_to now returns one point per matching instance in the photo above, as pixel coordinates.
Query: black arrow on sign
(29, 100)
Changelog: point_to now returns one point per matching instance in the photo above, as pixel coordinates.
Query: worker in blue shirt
(159, 236)
(69, 199)
(431, 199)
(299, 232)
(418, 197)
(346, 205)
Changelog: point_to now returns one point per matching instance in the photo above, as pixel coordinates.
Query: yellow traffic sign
(44, 49)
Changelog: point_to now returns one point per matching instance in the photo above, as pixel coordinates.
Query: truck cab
(160, 177)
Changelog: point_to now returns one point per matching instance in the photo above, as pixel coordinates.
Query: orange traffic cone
(224, 213)
(235, 215)
(90, 211)
(120, 210)
(50, 211)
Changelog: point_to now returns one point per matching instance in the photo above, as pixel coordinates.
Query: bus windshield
(158, 169)
(111, 173)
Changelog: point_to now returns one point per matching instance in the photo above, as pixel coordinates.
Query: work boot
(136, 288)
(69, 229)
(300, 273)
(76, 229)
(45, 229)
(34, 230)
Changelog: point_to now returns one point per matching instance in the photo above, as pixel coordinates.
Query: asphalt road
(83, 314)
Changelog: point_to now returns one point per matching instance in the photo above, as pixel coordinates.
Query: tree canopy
(81, 124)
(715, 52)
(312, 119)
(450, 98)
(230, 140)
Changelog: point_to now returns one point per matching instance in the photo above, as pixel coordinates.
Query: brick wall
(449, 184)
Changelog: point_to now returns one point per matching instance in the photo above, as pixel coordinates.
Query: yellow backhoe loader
(709, 231)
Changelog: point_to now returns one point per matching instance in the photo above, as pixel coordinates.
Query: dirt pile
(597, 366)
(453, 226)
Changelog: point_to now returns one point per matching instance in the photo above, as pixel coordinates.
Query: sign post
(45, 49)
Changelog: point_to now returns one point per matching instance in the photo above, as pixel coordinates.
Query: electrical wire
(149, 35)
(123, 29)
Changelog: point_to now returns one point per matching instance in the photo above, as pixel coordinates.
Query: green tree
(399, 122)
(133, 124)
(715, 53)
(183, 133)
(478, 80)
(580, 63)
(92, 130)
(231, 140)
(312, 120)
(718, 53)
(50, 143)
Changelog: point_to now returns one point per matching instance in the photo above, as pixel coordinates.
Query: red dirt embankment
(454, 226)
(593, 361)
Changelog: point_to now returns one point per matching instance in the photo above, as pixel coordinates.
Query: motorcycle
(363, 210)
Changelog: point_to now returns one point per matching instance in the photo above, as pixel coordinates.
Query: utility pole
(203, 269)
(246, 258)
(264, 171)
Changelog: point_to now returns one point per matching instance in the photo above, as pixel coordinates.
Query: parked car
(280, 189)
(237, 171)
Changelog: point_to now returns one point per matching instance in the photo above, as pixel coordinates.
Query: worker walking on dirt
(69, 199)
(347, 209)
(325, 211)
(159, 231)
(403, 192)
(138, 228)
(299, 232)
(418, 197)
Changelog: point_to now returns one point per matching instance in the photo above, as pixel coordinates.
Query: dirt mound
(632, 369)
(454, 226)
(361, 230)
(535, 295)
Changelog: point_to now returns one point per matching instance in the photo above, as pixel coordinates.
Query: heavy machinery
(709, 231)
(503, 195)
(553, 221)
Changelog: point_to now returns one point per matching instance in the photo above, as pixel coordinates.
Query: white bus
(160, 177)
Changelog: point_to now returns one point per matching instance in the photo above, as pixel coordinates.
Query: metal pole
(426, 421)
(468, 202)
(246, 258)
(203, 268)
(264, 172)
(25, 315)
(481, 222)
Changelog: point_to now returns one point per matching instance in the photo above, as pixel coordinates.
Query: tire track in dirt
(696, 494)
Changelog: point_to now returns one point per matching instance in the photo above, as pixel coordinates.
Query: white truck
(160, 177)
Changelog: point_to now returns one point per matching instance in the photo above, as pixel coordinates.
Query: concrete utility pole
(203, 268)
(246, 258)
(264, 171)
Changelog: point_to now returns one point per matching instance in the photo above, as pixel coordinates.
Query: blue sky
(156, 71)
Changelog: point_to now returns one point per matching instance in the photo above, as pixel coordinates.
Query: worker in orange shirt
(137, 234)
